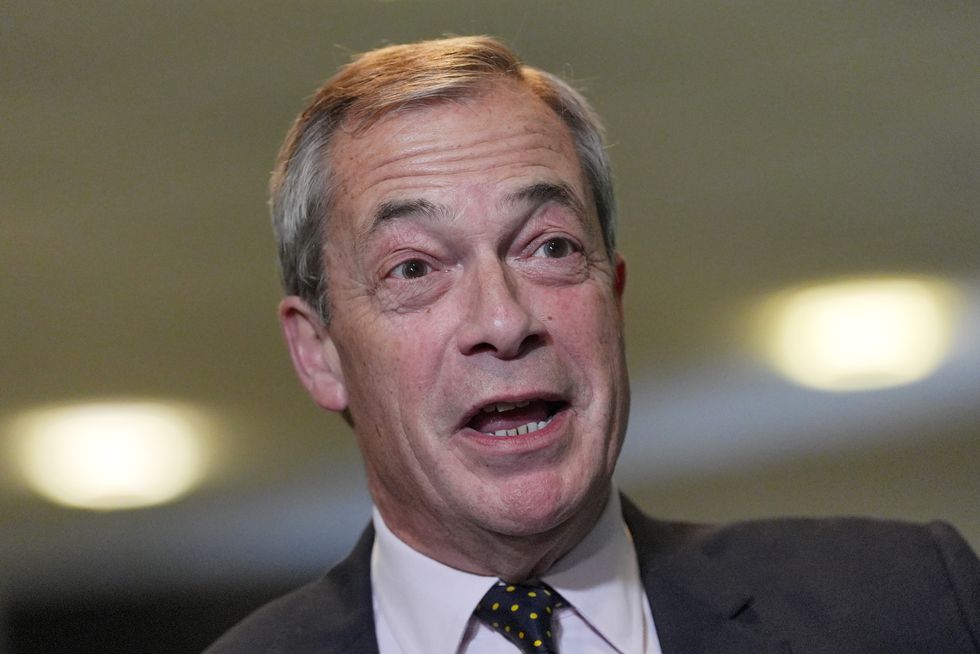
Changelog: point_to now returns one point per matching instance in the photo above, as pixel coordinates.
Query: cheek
(585, 321)
(400, 364)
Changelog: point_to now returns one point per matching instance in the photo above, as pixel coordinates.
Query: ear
(314, 353)
(620, 282)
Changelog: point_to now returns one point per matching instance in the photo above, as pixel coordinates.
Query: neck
(474, 549)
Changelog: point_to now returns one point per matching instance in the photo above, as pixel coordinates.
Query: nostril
(482, 347)
(530, 343)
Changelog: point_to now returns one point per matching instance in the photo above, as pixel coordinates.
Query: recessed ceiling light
(111, 455)
(861, 333)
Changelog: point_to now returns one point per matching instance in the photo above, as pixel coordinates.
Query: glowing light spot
(860, 334)
(111, 455)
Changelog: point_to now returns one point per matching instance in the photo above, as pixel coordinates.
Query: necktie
(522, 613)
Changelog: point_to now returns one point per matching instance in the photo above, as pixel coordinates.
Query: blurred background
(760, 148)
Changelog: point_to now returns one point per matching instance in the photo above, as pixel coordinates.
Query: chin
(534, 506)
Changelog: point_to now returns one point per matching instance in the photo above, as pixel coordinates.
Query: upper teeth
(523, 429)
(504, 406)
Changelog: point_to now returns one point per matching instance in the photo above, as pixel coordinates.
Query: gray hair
(399, 78)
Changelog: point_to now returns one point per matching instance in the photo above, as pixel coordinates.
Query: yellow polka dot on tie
(548, 609)
(546, 592)
(515, 607)
(548, 634)
(507, 628)
(510, 589)
(520, 634)
(537, 643)
(532, 594)
(534, 616)
(496, 605)
(496, 625)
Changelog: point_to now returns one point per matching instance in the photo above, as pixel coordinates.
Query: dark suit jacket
(786, 586)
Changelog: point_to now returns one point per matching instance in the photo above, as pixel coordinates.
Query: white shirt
(424, 607)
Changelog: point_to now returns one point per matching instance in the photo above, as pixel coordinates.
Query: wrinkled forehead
(501, 132)
(502, 103)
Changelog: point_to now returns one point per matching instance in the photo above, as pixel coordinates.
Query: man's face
(476, 317)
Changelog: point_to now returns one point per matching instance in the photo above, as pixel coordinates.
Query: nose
(497, 320)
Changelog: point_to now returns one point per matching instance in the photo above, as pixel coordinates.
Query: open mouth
(514, 419)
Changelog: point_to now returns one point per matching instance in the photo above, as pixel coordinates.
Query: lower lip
(521, 443)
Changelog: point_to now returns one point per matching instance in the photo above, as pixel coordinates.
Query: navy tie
(522, 613)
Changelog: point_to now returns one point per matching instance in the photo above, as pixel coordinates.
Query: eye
(411, 269)
(555, 248)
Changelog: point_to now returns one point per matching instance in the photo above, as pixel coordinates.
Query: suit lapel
(335, 615)
(687, 623)
(354, 598)
(695, 604)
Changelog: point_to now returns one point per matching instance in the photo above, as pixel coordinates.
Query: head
(445, 218)
(398, 79)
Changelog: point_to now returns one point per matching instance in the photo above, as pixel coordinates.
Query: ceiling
(756, 145)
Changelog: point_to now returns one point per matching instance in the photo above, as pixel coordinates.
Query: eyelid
(395, 243)
(573, 244)
(401, 261)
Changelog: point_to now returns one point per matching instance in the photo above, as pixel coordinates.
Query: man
(446, 229)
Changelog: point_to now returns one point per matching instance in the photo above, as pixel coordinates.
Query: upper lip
(510, 398)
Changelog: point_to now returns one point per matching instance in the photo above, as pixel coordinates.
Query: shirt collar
(428, 605)
(600, 578)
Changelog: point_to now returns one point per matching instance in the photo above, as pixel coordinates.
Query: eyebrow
(545, 192)
(395, 209)
(536, 194)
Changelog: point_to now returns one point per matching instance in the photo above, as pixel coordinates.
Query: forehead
(477, 147)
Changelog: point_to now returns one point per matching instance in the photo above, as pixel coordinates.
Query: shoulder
(801, 541)
(331, 614)
(804, 542)
(866, 573)
(835, 550)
